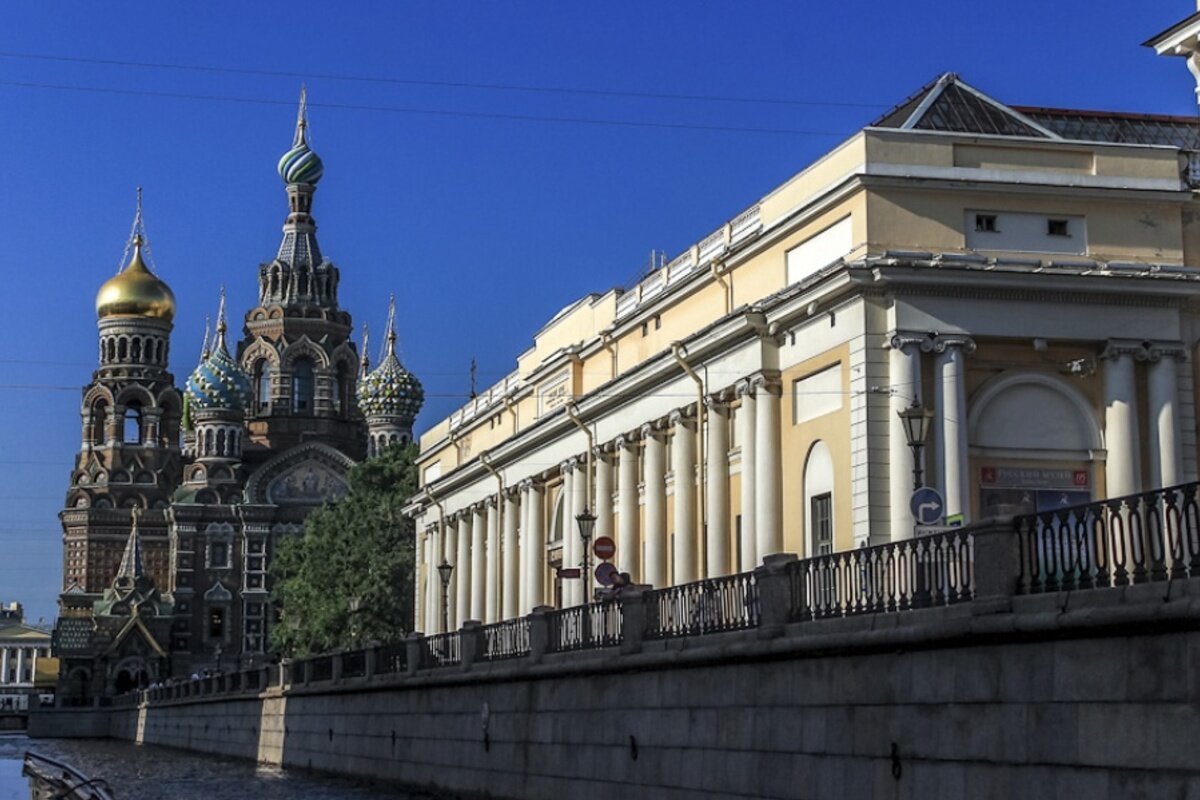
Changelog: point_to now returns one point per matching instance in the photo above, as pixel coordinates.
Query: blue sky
(483, 226)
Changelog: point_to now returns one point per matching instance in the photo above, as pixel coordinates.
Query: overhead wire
(508, 87)
(428, 111)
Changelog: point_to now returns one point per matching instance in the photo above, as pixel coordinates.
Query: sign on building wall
(1026, 490)
(554, 392)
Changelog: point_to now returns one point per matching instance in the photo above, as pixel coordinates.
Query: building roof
(949, 104)
(10, 631)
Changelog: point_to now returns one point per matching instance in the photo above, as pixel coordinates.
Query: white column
(491, 607)
(462, 570)
(420, 584)
(478, 564)
(570, 536)
(904, 377)
(746, 433)
(579, 501)
(654, 571)
(627, 503)
(1122, 467)
(523, 560)
(4, 664)
(950, 418)
(768, 479)
(604, 494)
(435, 580)
(508, 586)
(450, 552)
(1166, 458)
(536, 557)
(683, 465)
(717, 489)
(20, 665)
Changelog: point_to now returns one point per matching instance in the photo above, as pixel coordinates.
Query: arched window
(221, 442)
(122, 345)
(302, 386)
(99, 422)
(135, 347)
(133, 425)
(262, 385)
(818, 500)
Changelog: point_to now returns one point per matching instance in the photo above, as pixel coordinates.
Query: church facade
(180, 496)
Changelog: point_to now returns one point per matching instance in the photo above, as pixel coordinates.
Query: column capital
(1115, 349)
(767, 382)
(525, 485)
(898, 340)
(719, 401)
(652, 430)
(945, 341)
(489, 502)
(568, 466)
(1157, 351)
(627, 441)
(681, 416)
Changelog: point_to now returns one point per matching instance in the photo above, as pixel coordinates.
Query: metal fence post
(539, 632)
(774, 594)
(997, 564)
(633, 617)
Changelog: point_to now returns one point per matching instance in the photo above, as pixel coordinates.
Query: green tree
(349, 578)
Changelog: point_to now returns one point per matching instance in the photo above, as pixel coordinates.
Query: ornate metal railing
(709, 606)
(585, 627)
(929, 571)
(320, 669)
(441, 650)
(507, 639)
(391, 658)
(1141, 538)
(354, 664)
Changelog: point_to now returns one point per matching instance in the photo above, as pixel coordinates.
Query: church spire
(219, 343)
(365, 361)
(391, 330)
(204, 351)
(132, 566)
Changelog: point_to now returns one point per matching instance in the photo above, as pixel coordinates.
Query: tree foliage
(349, 578)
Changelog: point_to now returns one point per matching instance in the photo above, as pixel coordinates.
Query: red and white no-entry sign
(604, 548)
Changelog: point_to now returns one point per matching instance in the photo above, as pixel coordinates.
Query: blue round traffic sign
(927, 506)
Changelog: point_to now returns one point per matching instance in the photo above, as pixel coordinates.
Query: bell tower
(129, 456)
(297, 349)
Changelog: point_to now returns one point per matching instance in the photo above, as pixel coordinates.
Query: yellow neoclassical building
(1016, 275)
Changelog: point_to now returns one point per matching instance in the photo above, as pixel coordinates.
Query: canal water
(145, 772)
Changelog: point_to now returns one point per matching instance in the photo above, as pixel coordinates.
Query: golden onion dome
(136, 292)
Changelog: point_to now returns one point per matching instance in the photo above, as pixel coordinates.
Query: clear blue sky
(459, 216)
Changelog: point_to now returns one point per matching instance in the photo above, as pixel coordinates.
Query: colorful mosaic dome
(301, 164)
(218, 382)
(390, 390)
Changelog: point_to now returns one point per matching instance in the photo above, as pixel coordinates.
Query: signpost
(606, 574)
(604, 548)
(569, 572)
(927, 506)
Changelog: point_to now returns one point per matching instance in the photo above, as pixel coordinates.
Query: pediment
(309, 474)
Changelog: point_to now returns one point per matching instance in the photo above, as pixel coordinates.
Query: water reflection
(144, 772)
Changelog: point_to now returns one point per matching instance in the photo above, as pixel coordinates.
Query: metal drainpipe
(716, 266)
(609, 343)
(512, 409)
(573, 415)
(678, 351)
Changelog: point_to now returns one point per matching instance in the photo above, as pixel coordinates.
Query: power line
(429, 111)
(507, 87)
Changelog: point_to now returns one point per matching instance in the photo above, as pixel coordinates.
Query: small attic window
(1057, 227)
(985, 223)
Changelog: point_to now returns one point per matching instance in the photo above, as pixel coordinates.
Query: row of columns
(1123, 468)
(498, 547)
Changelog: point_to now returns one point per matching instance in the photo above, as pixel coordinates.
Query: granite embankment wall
(1092, 693)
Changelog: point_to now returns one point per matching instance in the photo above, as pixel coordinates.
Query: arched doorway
(1036, 445)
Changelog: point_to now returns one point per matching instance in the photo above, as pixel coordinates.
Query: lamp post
(916, 420)
(445, 569)
(587, 524)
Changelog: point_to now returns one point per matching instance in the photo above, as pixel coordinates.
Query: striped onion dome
(390, 390)
(300, 164)
(218, 382)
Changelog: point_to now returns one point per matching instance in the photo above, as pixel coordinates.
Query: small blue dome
(218, 383)
(301, 165)
(390, 391)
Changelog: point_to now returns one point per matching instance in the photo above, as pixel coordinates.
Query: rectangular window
(821, 520)
(1057, 227)
(216, 623)
(817, 394)
(818, 252)
(985, 223)
(218, 555)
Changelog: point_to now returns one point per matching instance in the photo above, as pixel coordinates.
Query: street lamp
(444, 570)
(587, 525)
(916, 427)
